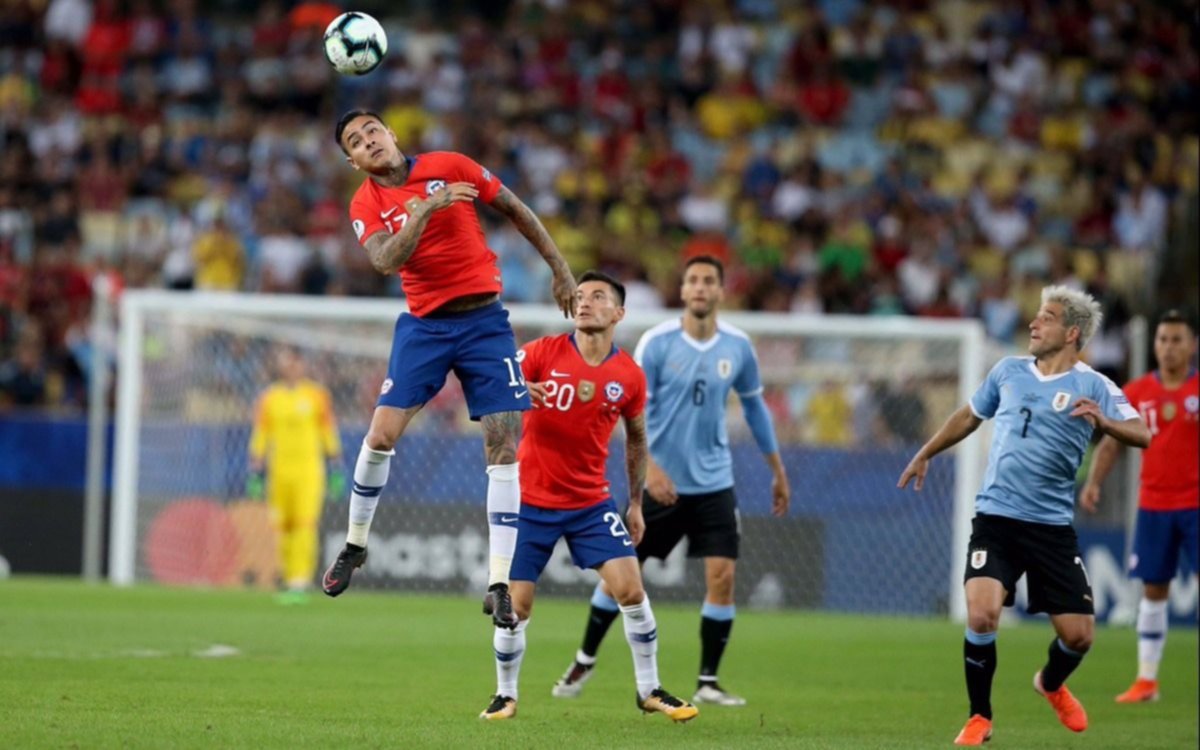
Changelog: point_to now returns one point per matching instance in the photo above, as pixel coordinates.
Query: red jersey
(1171, 465)
(564, 446)
(452, 258)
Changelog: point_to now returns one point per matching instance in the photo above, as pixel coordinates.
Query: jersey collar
(611, 354)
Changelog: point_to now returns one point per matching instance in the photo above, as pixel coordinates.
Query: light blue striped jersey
(687, 388)
(1037, 447)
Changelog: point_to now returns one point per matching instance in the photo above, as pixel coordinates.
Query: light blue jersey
(1037, 447)
(687, 387)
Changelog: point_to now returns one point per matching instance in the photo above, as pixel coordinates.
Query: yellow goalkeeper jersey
(294, 429)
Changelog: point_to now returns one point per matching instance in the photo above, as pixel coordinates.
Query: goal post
(852, 398)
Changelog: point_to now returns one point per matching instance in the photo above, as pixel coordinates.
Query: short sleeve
(986, 400)
(365, 218)
(468, 170)
(530, 359)
(1112, 400)
(748, 383)
(636, 403)
(647, 355)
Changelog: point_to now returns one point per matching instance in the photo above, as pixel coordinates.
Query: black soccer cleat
(498, 604)
(662, 702)
(501, 707)
(337, 577)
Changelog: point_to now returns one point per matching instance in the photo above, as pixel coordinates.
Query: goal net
(852, 398)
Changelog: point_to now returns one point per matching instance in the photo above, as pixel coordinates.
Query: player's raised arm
(389, 252)
(960, 424)
(1103, 460)
(528, 224)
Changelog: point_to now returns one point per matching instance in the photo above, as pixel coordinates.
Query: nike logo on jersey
(389, 212)
(557, 374)
(627, 542)
(519, 394)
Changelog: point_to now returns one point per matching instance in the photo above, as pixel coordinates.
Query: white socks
(510, 652)
(1152, 636)
(503, 509)
(642, 633)
(370, 475)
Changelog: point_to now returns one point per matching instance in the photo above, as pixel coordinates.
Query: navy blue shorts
(477, 345)
(1159, 536)
(595, 535)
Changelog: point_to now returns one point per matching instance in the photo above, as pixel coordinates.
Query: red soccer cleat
(1142, 691)
(1069, 709)
(977, 731)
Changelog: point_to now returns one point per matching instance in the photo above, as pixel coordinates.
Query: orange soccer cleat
(977, 731)
(1142, 691)
(1069, 709)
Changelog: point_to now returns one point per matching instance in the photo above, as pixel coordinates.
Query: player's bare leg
(500, 434)
(623, 577)
(1074, 638)
(985, 600)
(509, 644)
(1152, 637)
(388, 423)
(716, 623)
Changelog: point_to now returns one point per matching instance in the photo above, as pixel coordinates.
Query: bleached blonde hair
(1080, 309)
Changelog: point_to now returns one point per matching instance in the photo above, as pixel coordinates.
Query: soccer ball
(355, 44)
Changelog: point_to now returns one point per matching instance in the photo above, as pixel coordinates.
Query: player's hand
(1089, 410)
(538, 394)
(255, 484)
(455, 192)
(335, 486)
(660, 486)
(1089, 498)
(781, 496)
(635, 523)
(563, 289)
(916, 469)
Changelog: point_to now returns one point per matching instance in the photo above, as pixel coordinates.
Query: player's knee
(720, 585)
(629, 595)
(379, 439)
(1158, 592)
(983, 621)
(1079, 641)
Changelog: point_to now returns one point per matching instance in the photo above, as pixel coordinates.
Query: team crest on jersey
(1192, 404)
(1062, 400)
(387, 386)
(613, 391)
(433, 186)
(487, 176)
(724, 368)
(1169, 410)
(359, 228)
(978, 559)
(587, 390)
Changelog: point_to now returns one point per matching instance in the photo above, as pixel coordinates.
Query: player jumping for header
(1046, 408)
(415, 215)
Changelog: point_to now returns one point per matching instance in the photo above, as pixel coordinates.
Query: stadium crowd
(936, 158)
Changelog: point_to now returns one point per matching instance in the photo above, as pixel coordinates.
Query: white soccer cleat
(711, 693)
(570, 685)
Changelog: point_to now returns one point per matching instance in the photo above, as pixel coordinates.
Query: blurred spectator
(218, 257)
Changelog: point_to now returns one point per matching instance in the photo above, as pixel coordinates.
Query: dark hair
(617, 286)
(707, 260)
(1175, 316)
(345, 120)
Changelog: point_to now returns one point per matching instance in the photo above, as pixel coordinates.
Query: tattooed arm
(528, 224)
(389, 252)
(635, 464)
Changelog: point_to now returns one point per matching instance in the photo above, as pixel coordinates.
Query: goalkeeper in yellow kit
(293, 439)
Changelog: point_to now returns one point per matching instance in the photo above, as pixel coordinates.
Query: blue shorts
(477, 345)
(595, 535)
(1159, 536)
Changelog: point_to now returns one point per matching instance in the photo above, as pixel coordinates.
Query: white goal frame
(136, 306)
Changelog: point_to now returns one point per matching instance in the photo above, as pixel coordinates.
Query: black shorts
(709, 521)
(1006, 549)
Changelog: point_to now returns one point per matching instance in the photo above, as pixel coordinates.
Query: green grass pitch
(96, 667)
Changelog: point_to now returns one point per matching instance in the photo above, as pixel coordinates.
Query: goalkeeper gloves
(336, 485)
(256, 485)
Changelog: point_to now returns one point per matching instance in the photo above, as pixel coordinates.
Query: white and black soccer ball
(355, 44)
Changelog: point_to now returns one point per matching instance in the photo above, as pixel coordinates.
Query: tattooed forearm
(636, 457)
(500, 432)
(529, 225)
(389, 252)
